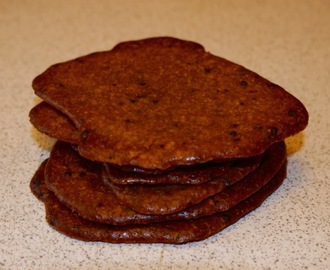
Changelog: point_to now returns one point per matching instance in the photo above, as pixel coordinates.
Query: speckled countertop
(286, 41)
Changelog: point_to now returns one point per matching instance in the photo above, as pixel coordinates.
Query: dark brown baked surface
(78, 184)
(159, 142)
(37, 183)
(186, 175)
(67, 222)
(162, 102)
(167, 199)
(50, 121)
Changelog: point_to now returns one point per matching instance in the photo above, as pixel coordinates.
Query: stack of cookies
(158, 141)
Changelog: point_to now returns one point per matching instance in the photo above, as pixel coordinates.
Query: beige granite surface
(286, 41)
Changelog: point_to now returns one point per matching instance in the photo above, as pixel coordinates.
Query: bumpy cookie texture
(78, 184)
(53, 123)
(71, 224)
(167, 199)
(163, 102)
(192, 175)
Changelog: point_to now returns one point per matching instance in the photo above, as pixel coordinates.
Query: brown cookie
(69, 223)
(53, 123)
(78, 184)
(37, 184)
(168, 199)
(163, 102)
(189, 175)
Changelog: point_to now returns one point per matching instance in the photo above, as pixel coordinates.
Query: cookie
(159, 141)
(167, 199)
(78, 184)
(163, 102)
(53, 123)
(67, 222)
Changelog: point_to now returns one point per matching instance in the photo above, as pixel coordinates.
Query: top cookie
(162, 102)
